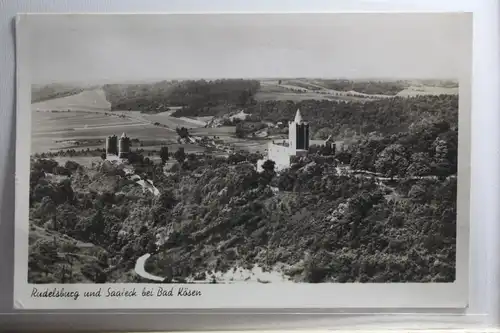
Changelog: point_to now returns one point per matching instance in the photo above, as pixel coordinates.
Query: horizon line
(157, 80)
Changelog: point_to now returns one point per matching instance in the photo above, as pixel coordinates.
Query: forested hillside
(381, 116)
(344, 119)
(323, 224)
(192, 95)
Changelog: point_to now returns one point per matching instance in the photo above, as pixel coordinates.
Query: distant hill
(385, 87)
(199, 94)
(79, 100)
(364, 87)
(44, 92)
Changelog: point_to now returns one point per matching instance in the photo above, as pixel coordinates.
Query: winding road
(139, 269)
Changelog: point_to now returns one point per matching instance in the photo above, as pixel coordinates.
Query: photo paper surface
(243, 161)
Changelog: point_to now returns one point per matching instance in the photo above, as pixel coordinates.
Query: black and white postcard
(243, 160)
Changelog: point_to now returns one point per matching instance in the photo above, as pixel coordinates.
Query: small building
(330, 146)
(329, 142)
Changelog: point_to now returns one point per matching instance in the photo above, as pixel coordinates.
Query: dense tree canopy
(354, 227)
(381, 209)
(192, 95)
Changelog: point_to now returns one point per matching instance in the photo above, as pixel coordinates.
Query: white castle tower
(298, 135)
(297, 145)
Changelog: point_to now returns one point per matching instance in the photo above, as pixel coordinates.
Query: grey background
(79, 48)
(485, 176)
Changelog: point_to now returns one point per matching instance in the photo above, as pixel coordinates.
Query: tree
(94, 273)
(182, 132)
(343, 157)
(47, 207)
(244, 97)
(286, 181)
(420, 165)
(135, 158)
(236, 158)
(327, 149)
(71, 165)
(46, 252)
(418, 193)
(392, 161)
(240, 131)
(267, 172)
(65, 191)
(323, 133)
(162, 204)
(96, 227)
(268, 166)
(442, 164)
(364, 155)
(180, 155)
(164, 154)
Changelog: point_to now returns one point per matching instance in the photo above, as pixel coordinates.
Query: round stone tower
(112, 145)
(123, 146)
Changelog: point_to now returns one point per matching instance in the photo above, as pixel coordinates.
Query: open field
(298, 90)
(74, 120)
(83, 121)
(89, 100)
(296, 97)
(50, 130)
(171, 122)
(215, 131)
(427, 90)
(304, 89)
(81, 129)
(43, 92)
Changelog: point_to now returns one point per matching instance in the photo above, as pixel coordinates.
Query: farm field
(297, 90)
(88, 100)
(46, 139)
(251, 146)
(211, 131)
(427, 90)
(302, 89)
(57, 124)
(69, 121)
(171, 122)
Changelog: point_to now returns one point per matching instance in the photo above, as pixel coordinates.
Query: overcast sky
(96, 48)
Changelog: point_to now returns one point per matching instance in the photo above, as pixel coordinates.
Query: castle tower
(123, 146)
(298, 135)
(112, 145)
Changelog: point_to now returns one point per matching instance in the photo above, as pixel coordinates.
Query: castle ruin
(117, 147)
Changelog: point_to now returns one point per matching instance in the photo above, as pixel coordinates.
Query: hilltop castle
(117, 147)
(296, 145)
